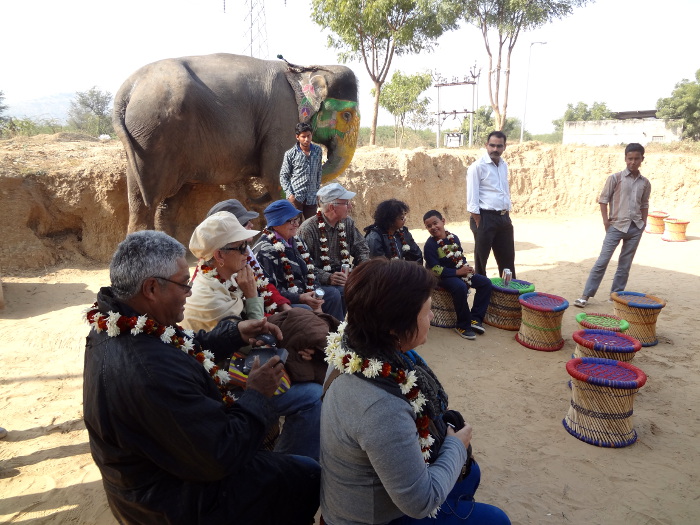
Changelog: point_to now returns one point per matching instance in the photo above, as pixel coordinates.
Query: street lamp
(527, 84)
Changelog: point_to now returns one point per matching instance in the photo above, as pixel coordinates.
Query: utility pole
(441, 82)
(527, 84)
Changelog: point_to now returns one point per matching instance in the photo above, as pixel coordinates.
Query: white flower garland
(348, 362)
(453, 253)
(287, 266)
(325, 249)
(116, 324)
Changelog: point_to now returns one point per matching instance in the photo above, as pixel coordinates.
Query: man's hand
(310, 299)
(477, 219)
(465, 270)
(254, 327)
(606, 224)
(464, 434)
(338, 279)
(266, 378)
(306, 354)
(245, 279)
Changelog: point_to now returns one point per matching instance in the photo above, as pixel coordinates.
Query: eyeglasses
(296, 221)
(348, 203)
(187, 286)
(243, 248)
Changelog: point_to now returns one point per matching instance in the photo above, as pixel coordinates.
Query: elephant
(223, 119)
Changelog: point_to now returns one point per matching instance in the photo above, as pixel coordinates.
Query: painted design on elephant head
(309, 90)
(337, 123)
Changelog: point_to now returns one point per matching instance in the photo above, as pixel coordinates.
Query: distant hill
(48, 107)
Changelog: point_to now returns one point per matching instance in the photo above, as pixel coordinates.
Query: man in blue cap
(286, 260)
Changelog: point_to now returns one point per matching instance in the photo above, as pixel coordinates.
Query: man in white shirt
(488, 202)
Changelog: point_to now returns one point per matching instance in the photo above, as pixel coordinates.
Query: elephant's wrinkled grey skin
(220, 119)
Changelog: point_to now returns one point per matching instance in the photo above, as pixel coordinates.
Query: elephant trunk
(336, 126)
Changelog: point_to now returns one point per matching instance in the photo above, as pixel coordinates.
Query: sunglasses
(243, 248)
(296, 221)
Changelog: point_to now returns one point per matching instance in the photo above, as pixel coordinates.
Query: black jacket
(380, 244)
(168, 449)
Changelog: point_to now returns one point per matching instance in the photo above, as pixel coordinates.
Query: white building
(629, 126)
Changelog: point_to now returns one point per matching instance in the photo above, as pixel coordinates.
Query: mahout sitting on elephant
(220, 120)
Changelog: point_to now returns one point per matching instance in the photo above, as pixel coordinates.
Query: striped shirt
(627, 196)
(300, 174)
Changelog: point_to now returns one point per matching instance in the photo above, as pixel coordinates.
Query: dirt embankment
(64, 196)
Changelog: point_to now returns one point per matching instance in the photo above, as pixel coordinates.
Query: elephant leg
(141, 217)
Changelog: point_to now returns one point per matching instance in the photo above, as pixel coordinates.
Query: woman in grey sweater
(387, 452)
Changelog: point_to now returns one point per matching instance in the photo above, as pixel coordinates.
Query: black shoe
(466, 334)
(478, 327)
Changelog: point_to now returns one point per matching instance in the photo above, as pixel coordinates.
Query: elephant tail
(121, 101)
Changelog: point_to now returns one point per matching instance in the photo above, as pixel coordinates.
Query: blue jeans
(301, 408)
(459, 290)
(630, 242)
(460, 507)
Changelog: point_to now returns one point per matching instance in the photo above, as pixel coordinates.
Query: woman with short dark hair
(388, 236)
(388, 455)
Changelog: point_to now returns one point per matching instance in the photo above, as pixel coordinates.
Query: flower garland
(404, 247)
(453, 252)
(287, 267)
(116, 324)
(261, 282)
(342, 242)
(348, 362)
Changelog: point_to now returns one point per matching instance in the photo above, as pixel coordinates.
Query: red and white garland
(453, 252)
(286, 265)
(350, 363)
(342, 241)
(116, 324)
(261, 282)
(404, 247)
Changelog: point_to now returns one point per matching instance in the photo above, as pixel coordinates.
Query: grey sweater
(372, 469)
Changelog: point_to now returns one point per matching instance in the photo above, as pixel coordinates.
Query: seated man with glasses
(171, 443)
(332, 237)
(223, 285)
(287, 262)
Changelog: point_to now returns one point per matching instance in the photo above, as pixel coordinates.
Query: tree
(91, 111)
(484, 124)
(501, 22)
(372, 31)
(400, 97)
(598, 111)
(684, 103)
(3, 108)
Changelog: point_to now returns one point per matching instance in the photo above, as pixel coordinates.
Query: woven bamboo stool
(602, 398)
(606, 345)
(674, 230)
(655, 221)
(641, 311)
(504, 310)
(612, 323)
(443, 309)
(541, 323)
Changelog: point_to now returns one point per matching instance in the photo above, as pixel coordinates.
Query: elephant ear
(310, 90)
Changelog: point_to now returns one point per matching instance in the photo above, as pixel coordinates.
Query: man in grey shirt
(627, 193)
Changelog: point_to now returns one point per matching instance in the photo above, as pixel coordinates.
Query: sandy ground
(514, 397)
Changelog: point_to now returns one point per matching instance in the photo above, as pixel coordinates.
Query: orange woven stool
(655, 221)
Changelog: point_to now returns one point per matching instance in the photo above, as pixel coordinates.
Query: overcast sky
(626, 53)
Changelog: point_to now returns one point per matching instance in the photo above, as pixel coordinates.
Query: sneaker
(581, 303)
(466, 334)
(478, 327)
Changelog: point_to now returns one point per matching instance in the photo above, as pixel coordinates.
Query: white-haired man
(172, 444)
(332, 237)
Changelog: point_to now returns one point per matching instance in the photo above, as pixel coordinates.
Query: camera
(265, 352)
